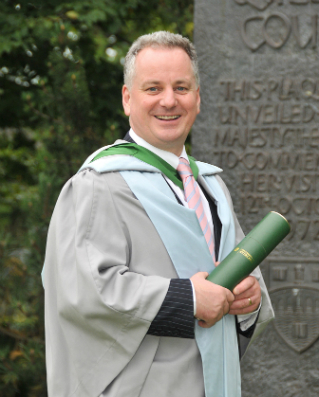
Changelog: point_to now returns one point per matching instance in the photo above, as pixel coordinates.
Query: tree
(60, 83)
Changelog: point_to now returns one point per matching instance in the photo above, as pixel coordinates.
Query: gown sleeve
(96, 308)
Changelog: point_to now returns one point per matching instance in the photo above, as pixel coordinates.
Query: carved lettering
(310, 88)
(279, 32)
(282, 113)
(272, 137)
(282, 35)
(312, 36)
(284, 161)
(303, 2)
(269, 131)
(238, 115)
(280, 89)
(304, 229)
(308, 113)
(305, 206)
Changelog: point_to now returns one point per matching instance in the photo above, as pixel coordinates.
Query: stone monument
(259, 122)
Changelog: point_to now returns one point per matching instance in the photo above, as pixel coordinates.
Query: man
(129, 311)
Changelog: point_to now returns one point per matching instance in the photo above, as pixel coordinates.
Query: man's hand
(247, 296)
(212, 300)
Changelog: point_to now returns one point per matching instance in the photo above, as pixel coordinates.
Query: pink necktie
(194, 201)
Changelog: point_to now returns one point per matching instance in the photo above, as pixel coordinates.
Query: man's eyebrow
(151, 82)
(183, 81)
(156, 82)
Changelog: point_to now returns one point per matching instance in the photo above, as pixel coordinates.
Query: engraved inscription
(287, 26)
(271, 89)
(268, 130)
(279, 24)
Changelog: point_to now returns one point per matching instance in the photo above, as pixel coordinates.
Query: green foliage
(60, 99)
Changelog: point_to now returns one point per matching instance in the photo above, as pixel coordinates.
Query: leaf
(72, 14)
(10, 378)
(15, 354)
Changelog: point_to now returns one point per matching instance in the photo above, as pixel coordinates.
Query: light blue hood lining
(183, 238)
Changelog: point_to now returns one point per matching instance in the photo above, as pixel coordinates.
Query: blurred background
(61, 73)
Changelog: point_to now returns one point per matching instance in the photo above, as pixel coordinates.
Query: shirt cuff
(194, 297)
(247, 320)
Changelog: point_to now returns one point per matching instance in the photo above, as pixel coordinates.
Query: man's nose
(168, 98)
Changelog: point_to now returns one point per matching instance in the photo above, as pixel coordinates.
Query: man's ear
(126, 100)
(198, 101)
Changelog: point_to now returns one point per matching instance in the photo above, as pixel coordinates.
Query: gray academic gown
(106, 275)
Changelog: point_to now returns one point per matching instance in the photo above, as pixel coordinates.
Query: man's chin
(170, 145)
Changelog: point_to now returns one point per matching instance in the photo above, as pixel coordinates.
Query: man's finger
(244, 285)
(246, 303)
(230, 297)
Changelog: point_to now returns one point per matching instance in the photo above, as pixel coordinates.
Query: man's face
(163, 101)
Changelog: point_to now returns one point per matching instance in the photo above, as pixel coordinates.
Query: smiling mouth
(168, 117)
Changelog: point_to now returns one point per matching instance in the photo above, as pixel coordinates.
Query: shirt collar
(169, 157)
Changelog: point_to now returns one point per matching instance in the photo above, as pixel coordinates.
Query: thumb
(203, 274)
(200, 275)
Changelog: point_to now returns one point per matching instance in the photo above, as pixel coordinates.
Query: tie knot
(184, 168)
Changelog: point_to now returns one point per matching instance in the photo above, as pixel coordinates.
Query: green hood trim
(145, 155)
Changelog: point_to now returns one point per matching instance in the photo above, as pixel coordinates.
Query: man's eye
(152, 89)
(181, 89)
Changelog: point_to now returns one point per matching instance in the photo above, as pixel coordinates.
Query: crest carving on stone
(294, 290)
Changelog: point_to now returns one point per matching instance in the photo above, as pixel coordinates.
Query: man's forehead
(162, 59)
(158, 51)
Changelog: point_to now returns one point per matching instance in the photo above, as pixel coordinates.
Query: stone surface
(259, 122)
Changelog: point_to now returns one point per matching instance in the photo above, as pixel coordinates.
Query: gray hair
(157, 40)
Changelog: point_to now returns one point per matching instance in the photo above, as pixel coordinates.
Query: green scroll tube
(251, 251)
